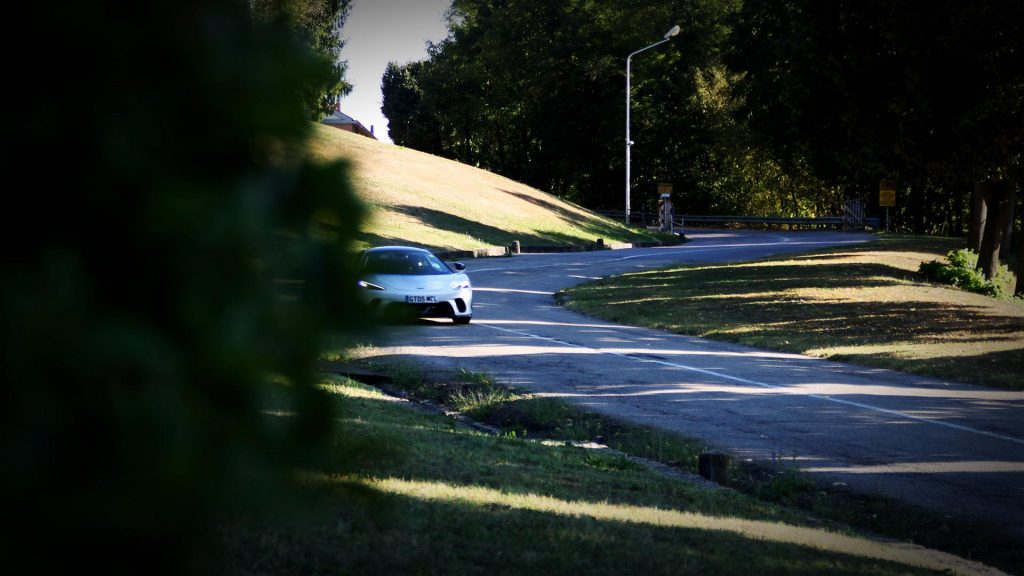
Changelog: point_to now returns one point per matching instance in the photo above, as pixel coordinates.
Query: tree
(534, 90)
(318, 23)
(780, 106)
(998, 197)
(979, 216)
(906, 90)
(402, 99)
(1018, 290)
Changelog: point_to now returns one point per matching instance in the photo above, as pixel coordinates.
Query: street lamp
(629, 143)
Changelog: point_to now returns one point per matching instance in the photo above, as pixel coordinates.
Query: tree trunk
(1011, 205)
(917, 207)
(1019, 290)
(958, 215)
(979, 215)
(997, 198)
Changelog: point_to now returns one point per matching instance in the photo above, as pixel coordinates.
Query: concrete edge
(500, 251)
(382, 382)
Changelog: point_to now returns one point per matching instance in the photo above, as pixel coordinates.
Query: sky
(380, 31)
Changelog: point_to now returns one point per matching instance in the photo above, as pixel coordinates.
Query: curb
(499, 251)
(383, 383)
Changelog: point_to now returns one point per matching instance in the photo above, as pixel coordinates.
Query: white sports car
(412, 280)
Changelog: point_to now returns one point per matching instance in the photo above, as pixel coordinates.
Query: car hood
(399, 282)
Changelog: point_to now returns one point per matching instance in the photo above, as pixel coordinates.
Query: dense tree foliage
(535, 90)
(758, 106)
(928, 94)
(318, 24)
(925, 94)
(174, 269)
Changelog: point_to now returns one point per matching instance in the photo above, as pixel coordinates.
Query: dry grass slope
(419, 199)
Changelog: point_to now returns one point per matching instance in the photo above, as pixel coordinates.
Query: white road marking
(724, 376)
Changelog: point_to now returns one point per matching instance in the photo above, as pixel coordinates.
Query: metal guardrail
(798, 222)
(777, 220)
(645, 219)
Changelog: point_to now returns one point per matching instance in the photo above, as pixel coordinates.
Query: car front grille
(439, 309)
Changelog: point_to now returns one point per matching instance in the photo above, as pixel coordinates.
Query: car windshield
(404, 262)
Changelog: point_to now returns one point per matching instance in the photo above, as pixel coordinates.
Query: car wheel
(462, 319)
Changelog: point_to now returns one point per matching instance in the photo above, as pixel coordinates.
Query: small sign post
(887, 198)
(665, 207)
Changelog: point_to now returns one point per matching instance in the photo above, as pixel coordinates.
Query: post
(665, 207)
(668, 35)
(629, 143)
(714, 466)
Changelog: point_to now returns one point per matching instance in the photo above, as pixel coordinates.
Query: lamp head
(672, 32)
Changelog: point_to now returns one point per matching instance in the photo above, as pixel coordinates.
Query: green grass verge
(455, 501)
(522, 415)
(865, 304)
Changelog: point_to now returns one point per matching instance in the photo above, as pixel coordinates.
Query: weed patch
(960, 271)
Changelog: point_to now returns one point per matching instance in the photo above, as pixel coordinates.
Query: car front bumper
(446, 303)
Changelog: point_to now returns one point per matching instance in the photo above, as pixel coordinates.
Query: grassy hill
(419, 199)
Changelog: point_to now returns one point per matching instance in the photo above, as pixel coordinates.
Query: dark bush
(961, 272)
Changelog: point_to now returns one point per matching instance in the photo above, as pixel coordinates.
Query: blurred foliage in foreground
(167, 279)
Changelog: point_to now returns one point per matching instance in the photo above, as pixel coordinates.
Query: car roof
(396, 249)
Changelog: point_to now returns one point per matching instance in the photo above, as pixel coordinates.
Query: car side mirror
(459, 266)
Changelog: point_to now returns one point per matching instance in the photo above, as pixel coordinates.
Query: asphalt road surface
(953, 448)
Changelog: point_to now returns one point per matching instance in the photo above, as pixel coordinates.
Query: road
(954, 448)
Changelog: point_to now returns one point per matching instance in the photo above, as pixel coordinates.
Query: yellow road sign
(886, 193)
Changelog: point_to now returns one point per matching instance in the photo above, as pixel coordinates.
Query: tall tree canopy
(930, 94)
(535, 90)
(318, 24)
(762, 106)
(922, 92)
(757, 107)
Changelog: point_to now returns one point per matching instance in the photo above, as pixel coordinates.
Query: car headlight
(369, 286)
(460, 285)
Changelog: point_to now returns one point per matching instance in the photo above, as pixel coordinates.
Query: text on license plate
(421, 299)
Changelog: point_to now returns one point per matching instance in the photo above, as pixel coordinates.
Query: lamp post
(629, 143)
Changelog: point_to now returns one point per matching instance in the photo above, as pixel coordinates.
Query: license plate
(421, 299)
